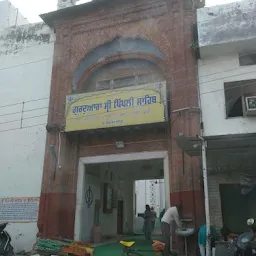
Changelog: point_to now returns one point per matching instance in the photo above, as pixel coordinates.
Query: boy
(202, 239)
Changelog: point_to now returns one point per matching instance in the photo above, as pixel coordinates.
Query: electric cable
(117, 110)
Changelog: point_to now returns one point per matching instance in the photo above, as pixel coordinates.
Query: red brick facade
(168, 24)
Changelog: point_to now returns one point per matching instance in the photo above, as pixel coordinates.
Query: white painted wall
(65, 3)
(225, 28)
(25, 75)
(88, 212)
(10, 16)
(85, 216)
(143, 198)
(143, 195)
(126, 191)
(213, 72)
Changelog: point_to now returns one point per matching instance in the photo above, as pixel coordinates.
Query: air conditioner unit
(250, 105)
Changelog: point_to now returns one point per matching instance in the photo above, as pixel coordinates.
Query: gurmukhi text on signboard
(123, 107)
(19, 209)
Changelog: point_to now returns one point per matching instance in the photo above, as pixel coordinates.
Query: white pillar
(167, 182)
(206, 198)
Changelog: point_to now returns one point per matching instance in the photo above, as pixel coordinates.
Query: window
(124, 82)
(148, 78)
(120, 82)
(103, 85)
(247, 59)
(235, 92)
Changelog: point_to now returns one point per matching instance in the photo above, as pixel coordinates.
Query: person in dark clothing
(154, 216)
(225, 232)
(147, 226)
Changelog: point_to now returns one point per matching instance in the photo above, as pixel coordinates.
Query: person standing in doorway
(153, 220)
(167, 222)
(147, 226)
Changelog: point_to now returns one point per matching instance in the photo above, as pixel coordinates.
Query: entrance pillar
(186, 182)
(58, 195)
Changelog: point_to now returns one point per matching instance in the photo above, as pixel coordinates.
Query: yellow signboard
(123, 107)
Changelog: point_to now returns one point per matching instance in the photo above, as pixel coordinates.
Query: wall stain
(14, 39)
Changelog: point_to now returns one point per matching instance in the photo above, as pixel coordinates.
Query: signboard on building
(127, 106)
(19, 209)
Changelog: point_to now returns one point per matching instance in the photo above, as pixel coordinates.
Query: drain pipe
(205, 176)
(206, 196)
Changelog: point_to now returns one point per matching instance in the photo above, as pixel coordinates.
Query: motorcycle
(243, 244)
(6, 248)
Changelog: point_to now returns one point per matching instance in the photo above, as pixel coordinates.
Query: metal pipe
(59, 151)
(205, 176)
(184, 109)
(206, 197)
(16, 20)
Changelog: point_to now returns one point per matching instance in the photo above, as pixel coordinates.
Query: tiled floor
(115, 249)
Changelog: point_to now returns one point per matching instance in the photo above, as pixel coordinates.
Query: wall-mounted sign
(89, 197)
(19, 209)
(135, 105)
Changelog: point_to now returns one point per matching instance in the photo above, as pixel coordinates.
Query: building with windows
(26, 54)
(10, 16)
(227, 85)
(123, 88)
(121, 84)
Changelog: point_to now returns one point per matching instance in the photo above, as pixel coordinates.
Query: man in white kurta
(167, 221)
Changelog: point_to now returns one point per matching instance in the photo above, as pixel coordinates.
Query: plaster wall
(213, 73)
(26, 54)
(226, 23)
(10, 15)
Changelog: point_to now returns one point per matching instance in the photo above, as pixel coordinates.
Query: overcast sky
(32, 8)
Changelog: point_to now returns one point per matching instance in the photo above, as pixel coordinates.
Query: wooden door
(120, 217)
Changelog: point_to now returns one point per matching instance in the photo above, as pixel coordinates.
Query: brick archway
(168, 27)
(122, 56)
(119, 48)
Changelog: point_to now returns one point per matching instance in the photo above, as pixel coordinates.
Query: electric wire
(175, 81)
(146, 87)
(117, 110)
(61, 56)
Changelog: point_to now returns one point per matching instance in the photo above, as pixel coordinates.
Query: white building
(65, 3)
(227, 43)
(25, 73)
(227, 88)
(10, 16)
(151, 192)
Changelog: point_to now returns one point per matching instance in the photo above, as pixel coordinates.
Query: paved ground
(115, 249)
(139, 226)
(221, 250)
